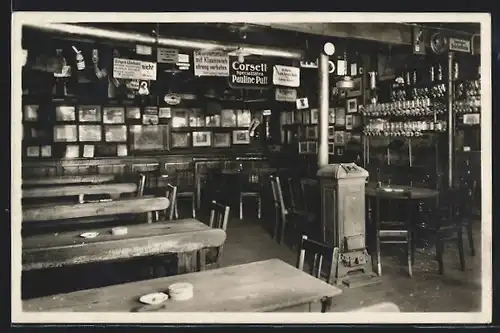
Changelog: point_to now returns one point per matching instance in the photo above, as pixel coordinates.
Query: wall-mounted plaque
(65, 113)
(179, 118)
(113, 115)
(202, 139)
(115, 133)
(222, 140)
(241, 137)
(89, 133)
(148, 137)
(65, 133)
(89, 113)
(244, 118)
(228, 118)
(30, 113)
(181, 140)
(133, 112)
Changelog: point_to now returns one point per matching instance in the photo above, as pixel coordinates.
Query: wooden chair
(250, 187)
(171, 195)
(186, 189)
(141, 184)
(219, 217)
(279, 208)
(321, 254)
(445, 223)
(394, 231)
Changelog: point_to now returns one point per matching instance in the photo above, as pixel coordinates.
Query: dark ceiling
(471, 28)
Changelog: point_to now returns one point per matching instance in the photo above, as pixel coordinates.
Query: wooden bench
(68, 248)
(113, 190)
(45, 213)
(262, 286)
(65, 180)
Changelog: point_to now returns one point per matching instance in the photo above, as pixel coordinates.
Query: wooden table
(65, 180)
(68, 248)
(261, 286)
(33, 214)
(114, 190)
(417, 193)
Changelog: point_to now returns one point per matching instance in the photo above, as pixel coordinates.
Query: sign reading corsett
(461, 45)
(249, 74)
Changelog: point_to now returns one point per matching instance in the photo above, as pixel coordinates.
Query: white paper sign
(302, 103)
(211, 63)
(285, 94)
(134, 69)
(169, 56)
(286, 76)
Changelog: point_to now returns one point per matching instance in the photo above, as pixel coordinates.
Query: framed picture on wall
(241, 137)
(46, 151)
(30, 112)
(113, 115)
(222, 140)
(312, 147)
(122, 150)
(297, 117)
(72, 151)
(331, 148)
(88, 151)
(357, 90)
(202, 139)
(228, 118)
(339, 138)
(331, 116)
(340, 117)
(244, 118)
(331, 132)
(312, 132)
(33, 151)
(302, 147)
(212, 121)
(348, 122)
(65, 133)
(115, 133)
(133, 112)
(65, 113)
(89, 133)
(352, 105)
(149, 137)
(314, 116)
(89, 113)
(179, 118)
(196, 119)
(181, 140)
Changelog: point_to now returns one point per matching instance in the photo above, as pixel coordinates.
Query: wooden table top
(254, 287)
(73, 190)
(68, 248)
(136, 205)
(416, 192)
(62, 180)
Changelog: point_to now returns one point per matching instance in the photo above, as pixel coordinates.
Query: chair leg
(471, 240)
(377, 252)
(409, 253)
(259, 207)
(413, 247)
(194, 206)
(176, 212)
(439, 253)
(461, 254)
(241, 207)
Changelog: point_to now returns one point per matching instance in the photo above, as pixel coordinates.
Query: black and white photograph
(125, 214)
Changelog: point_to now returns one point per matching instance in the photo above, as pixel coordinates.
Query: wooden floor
(249, 240)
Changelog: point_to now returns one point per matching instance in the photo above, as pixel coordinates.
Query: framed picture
(72, 151)
(339, 138)
(306, 117)
(331, 132)
(314, 116)
(65, 133)
(165, 112)
(302, 147)
(133, 112)
(181, 140)
(202, 139)
(113, 115)
(196, 119)
(65, 113)
(331, 148)
(297, 117)
(33, 151)
(30, 112)
(115, 133)
(179, 118)
(244, 118)
(352, 105)
(88, 151)
(312, 132)
(148, 137)
(46, 151)
(312, 147)
(301, 133)
(228, 118)
(356, 91)
(241, 137)
(222, 140)
(340, 116)
(331, 116)
(212, 121)
(348, 122)
(122, 150)
(89, 133)
(150, 116)
(89, 113)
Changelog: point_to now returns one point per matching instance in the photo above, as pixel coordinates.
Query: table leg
(186, 262)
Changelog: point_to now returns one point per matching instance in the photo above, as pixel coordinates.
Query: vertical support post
(450, 122)
(323, 68)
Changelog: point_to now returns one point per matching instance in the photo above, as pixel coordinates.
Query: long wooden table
(114, 190)
(417, 193)
(65, 180)
(68, 248)
(262, 286)
(35, 214)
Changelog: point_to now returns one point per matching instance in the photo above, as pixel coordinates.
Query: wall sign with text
(461, 45)
(211, 63)
(286, 76)
(134, 69)
(249, 74)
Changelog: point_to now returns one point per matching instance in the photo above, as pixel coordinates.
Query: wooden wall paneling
(151, 182)
(43, 171)
(79, 170)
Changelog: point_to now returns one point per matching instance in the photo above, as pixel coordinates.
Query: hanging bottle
(80, 61)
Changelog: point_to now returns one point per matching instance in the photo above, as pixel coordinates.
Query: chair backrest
(171, 194)
(184, 179)
(219, 215)
(321, 254)
(141, 184)
(279, 203)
